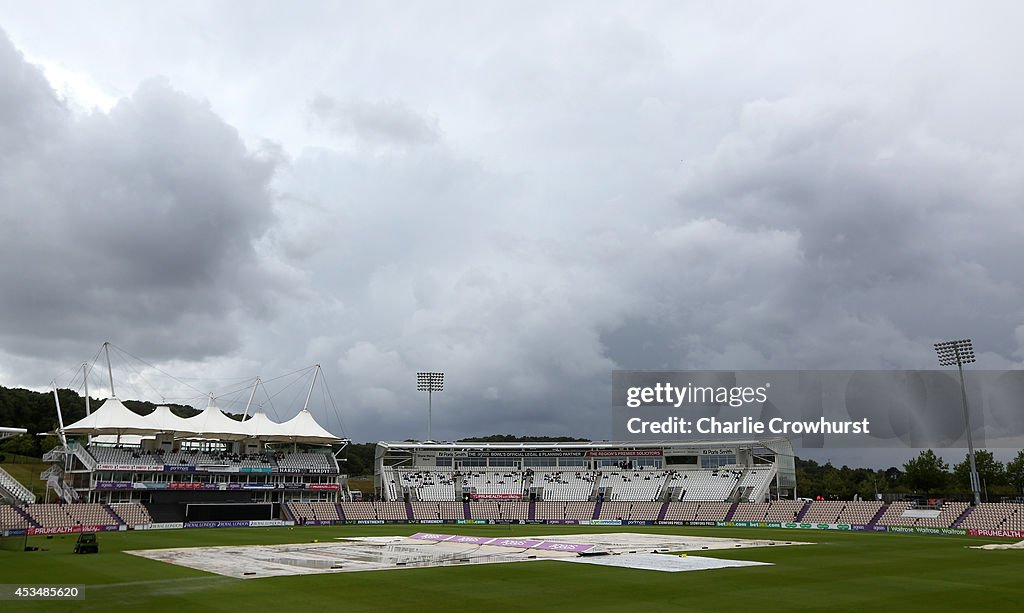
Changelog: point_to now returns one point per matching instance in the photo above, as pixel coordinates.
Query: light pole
(961, 352)
(429, 382)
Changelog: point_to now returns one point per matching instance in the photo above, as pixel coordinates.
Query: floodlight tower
(429, 382)
(961, 352)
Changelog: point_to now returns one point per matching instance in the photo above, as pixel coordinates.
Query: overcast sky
(523, 195)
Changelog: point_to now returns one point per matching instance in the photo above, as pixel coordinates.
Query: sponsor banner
(222, 468)
(615, 453)
(178, 468)
(294, 486)
(258, 486)
(266, 523)
(473, 540)
(517, 543)
(130, 467)
(1009, 534)
(71, 529)
(330, 487)
(605, 522)
(256, 469)
(184, 485)
(472, 522)
(217, 524)
(927, 530)
(172, 525)
(568, 522)
(365, 522)
(15, 532)
(514, 542)
(113, 485)
(556, 546)
(637, 522)
(496, 496)
(431, 521)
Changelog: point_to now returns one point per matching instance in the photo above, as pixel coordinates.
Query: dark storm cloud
(137, 225)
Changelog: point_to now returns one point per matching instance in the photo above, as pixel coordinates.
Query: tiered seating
(451, 510)
(485, 509)
(387, 511)
(785, 510)
(950, 511)
(758, 480)
(125, 456)
(565, 510)
(65, 515)
(308, 462)
(318, 511)
(708, 485)
(437, 510)
(391, 510)
(995, 516)
(563, 485)
(622, 510)
(697, 511)
(389, 484)
(633, 484)
(824, 511)
(131, 513)
(10, 485)
(893, 516)
(10, 519)
(752, 511)
(860, 512)
(514, 510)
(425, 485)
(494, 482)
(614, 510)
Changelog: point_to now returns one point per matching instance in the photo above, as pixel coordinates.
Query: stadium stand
(131, 513)
(697, 511)
(317, 511)
(69, 515)
(563, 485)
(843, 512)
(494, 482)
(640, 511)
(894, 515)
(423, 485)
(708, 485)
(995, 516)
(632, 485)
(11, 488)
(776, 510)
(11, 519)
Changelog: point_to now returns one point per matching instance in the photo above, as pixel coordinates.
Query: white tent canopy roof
(304, 429)
(112, 417)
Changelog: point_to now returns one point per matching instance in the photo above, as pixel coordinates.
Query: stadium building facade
(736, 471)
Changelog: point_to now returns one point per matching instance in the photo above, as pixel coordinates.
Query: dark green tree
(926, 473)
(1015, 472)
(991, 472)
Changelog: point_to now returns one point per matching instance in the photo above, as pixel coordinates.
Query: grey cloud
(381, 122)
(137, 225)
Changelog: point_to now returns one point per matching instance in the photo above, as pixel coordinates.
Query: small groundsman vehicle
(87, 543)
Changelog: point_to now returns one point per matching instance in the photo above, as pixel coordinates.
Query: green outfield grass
(843, 571)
